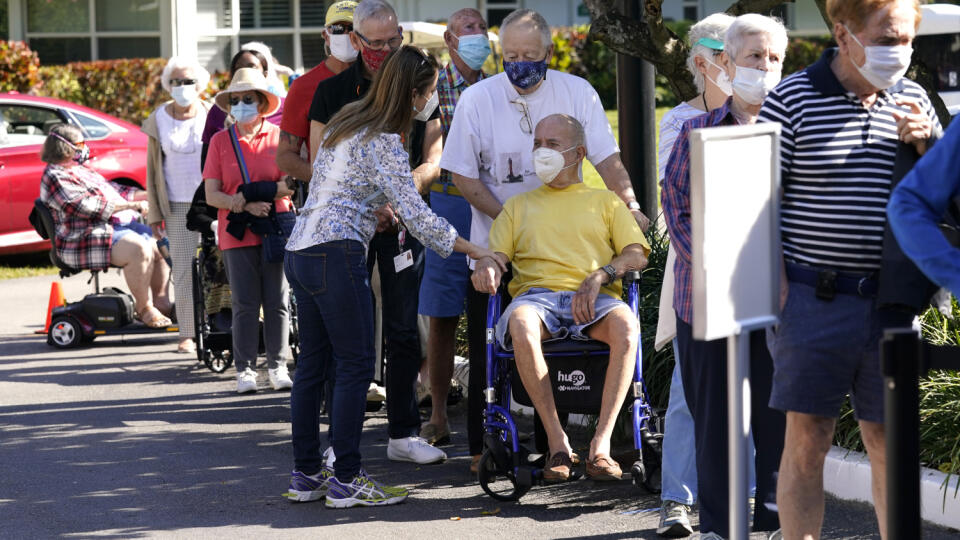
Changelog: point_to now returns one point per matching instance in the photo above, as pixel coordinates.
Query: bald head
(562, 129)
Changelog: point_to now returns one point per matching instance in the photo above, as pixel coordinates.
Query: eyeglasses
(393, 42)
(248, 99)
(338, 29)
(182, 82)
(526, 125)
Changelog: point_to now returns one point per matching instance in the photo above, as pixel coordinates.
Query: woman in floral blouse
(360, 167)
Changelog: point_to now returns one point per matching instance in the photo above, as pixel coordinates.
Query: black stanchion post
(637, 113)
(900, 358)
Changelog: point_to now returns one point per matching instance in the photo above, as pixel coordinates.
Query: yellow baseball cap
(341, 12)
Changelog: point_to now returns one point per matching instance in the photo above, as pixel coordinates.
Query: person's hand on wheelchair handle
(585, 299)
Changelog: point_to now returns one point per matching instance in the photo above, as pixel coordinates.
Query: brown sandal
(152, 318)
(603, 468)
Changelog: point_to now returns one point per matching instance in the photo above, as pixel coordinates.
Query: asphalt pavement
(126, 438)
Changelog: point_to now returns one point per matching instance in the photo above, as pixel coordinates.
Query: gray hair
(574, 125)
(56, 150)
(177, 62)
(372, 9)
(711, 27)
(530, 19)
(455, 20)
(751, 24)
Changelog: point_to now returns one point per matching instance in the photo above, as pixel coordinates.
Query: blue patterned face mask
(524, 74)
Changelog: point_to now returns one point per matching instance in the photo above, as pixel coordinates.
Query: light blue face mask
(244, 112)
(473, 49)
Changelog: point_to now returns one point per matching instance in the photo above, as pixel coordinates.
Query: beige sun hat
(244, 80)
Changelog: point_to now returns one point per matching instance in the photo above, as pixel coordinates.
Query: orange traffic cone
(56, 300)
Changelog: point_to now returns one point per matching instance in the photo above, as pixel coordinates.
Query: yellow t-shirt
(555, 237)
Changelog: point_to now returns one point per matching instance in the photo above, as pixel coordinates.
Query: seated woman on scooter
(97, 224)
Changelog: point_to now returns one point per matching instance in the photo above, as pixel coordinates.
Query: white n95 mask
(548, 163)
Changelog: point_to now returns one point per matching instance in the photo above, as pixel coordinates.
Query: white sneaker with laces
(414, 449)
(280, 378)
(674, 521)
(328, 457)
(246, 381)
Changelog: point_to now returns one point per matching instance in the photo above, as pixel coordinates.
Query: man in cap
(292, 154)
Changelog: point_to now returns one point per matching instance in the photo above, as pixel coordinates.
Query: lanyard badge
(405, 259)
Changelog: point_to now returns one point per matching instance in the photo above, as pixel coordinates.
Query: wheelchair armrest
(631, 276)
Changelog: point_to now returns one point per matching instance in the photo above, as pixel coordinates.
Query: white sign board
(734, 214)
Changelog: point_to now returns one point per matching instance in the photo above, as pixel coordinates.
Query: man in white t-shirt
(488, 148)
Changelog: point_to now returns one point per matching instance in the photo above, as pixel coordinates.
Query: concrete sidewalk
(126, 438)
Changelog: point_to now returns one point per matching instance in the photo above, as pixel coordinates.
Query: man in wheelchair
(569, 244)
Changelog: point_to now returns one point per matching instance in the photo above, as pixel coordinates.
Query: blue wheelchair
(508, 469)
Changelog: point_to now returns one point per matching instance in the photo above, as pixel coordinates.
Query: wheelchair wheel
(65, 332)
(499, 484)
(218, 361)
(199, 314)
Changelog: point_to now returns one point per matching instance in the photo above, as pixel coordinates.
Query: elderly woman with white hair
(679, 471)
(173, 174)
(752, 59)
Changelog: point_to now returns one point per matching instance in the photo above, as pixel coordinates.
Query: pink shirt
(260, 156)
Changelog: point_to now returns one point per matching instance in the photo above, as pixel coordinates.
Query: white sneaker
(280, 378)
(376, 392)
(414, 449)
(329, 457)
(246, 381)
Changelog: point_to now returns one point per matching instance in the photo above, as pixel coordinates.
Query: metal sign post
(738, 429)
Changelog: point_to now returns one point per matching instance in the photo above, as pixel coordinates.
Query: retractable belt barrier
(904, 359)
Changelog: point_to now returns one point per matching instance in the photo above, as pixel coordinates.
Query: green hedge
(127, 88)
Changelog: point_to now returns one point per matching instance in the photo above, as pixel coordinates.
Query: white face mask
(884, 65)
(341, 48)
(722, 82)
(753, 85)
(428, 109)
(184, 95)
(548, 163)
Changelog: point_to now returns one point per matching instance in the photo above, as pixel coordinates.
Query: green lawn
(590, 176)
(28, 265)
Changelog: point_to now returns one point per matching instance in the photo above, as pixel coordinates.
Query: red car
(118, 151)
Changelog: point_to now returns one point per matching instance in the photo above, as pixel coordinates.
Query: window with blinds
(266, 13)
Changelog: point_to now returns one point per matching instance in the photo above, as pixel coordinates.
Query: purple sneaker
(305, 488)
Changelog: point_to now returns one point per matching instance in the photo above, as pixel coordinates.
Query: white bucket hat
(245, 80)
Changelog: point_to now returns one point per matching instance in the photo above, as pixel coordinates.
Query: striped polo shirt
(836, 163)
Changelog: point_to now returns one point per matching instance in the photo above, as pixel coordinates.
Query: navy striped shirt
(836, 163)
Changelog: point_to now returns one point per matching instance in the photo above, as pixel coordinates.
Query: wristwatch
(611, 273)
(633, 205)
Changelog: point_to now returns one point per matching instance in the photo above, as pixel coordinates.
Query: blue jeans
(399, 291)
(679, 469)
(336, 341)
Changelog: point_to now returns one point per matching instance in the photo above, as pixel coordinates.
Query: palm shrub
(939, 404)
